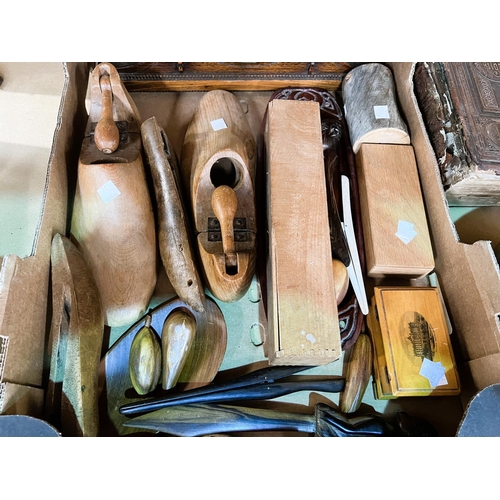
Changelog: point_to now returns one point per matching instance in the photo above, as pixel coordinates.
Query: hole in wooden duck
(224, 172)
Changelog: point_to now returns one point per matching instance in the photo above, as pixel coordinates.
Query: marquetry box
(412, 345)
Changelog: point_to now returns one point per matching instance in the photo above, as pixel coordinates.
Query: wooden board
(302, 310)
(75, 343)
(339, 160)
(412, 348)
(182, 76)
(397, 241)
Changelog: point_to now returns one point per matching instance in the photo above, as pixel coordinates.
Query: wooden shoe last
(218, 168)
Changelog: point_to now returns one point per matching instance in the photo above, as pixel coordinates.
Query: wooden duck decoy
(112, 222)
(339, 161)
(218, 167)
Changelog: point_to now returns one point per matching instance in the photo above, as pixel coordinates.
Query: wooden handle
(359, 369)
(106, 134)
(203, 419)
(341, 279)
(224, 205)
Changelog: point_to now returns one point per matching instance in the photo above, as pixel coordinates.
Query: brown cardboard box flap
(24, 282)
(468, 274)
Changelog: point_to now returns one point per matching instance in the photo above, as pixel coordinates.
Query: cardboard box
(468, 274)
(38, 154)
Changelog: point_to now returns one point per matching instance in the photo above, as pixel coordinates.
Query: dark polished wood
(180, 76)
(204, 419)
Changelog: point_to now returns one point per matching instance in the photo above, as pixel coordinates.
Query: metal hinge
(239, 228)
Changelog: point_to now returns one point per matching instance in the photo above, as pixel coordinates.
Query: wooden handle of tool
(341, 280)
(106, 134)
(203, 419)
(359, 369)
(224, 205)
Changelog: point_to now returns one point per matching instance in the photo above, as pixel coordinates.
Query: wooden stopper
(178, 335)
(224, 205)
(106, 134)
(371, 109)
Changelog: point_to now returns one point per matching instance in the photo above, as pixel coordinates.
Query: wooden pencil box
(302, 311)
(412, 348)
(397, 241)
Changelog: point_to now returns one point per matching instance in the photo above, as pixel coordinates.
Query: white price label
(434, 372)
(406, 231)
(381, 112)
(218, 124)
(108, 192)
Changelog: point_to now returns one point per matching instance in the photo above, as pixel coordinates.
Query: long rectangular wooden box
(412, 347)
(302, 311)
(396, 235)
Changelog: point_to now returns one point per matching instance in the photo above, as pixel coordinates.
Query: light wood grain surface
(112, 222)
(397, 240)
(219, 149)
(302, 308)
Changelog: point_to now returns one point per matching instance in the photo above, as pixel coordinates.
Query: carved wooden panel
(460, 104)
(475, 91)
